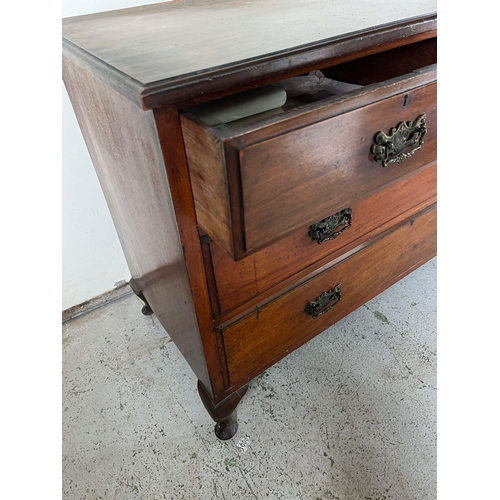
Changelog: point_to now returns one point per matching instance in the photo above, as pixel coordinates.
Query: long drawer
(238, 282)
(268, 332)
(256, 182)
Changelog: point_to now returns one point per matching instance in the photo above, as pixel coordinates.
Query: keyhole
(405, 101)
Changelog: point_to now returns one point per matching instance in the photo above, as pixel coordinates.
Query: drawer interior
(386, 65)
(345, 78)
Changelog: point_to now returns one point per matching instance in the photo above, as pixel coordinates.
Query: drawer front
(237, 282)
(254, 186)
(291, 179)
(271, 331)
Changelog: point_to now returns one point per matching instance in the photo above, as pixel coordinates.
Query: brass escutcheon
(320, 306)
(389, 148)
(325, 229)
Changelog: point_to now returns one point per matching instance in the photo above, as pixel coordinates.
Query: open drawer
(256, 180)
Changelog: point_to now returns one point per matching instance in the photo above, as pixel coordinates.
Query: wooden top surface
(170, 40)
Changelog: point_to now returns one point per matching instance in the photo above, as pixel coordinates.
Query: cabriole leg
(223, 413)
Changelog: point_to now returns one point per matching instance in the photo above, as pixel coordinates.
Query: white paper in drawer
(242, 105)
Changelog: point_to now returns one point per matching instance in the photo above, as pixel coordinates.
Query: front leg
(222, 413)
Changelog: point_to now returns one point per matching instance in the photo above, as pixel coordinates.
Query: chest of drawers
(248, 238)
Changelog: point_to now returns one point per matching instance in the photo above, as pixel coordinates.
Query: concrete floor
(349, 416)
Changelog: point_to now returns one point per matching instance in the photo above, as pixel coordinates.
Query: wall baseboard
(96, 302)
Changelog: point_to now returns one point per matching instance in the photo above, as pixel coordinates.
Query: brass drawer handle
(325, 229)
(319, 306)
(405, 135)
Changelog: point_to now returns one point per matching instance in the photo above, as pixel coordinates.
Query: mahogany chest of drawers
(249, 237)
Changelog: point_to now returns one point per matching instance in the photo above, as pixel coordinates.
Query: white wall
(92, 259)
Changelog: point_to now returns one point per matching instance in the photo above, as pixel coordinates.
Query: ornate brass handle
(325, 229)
(320, 306)
(405, 135)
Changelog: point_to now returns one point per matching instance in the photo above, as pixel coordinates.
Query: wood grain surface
(301, 176)
(210, 351)
(177, 50)
(272, 331)
(206, 161)
(125, 150)
(255, 188)
(238, 282)
(298, 168)
(188, 36)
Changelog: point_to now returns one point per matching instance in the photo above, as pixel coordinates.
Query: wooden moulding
(148, 90)
(220, 82)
